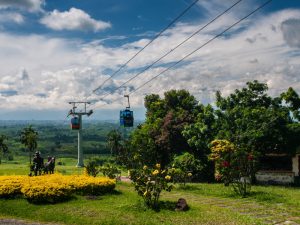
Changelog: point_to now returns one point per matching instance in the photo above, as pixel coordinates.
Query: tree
(160, 137)
(199, 135)
(292, 98)
(3, 146)
(29, 138)
(254, 121)
(114, 140)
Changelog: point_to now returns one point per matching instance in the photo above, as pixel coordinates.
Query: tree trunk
(29, 157)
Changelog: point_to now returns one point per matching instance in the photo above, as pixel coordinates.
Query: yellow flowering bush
(10, 186)
(53, 188)
(87, 185)
(150, 182)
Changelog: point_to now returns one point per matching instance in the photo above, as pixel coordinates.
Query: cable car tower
(76, 124)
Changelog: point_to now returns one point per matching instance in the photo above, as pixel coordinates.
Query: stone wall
(275, 177)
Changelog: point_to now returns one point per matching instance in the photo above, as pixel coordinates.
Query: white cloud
(74, 19)
(11, 17)
(28, 5)
(64, 70)
(291, 32)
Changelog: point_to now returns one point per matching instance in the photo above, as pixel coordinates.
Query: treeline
(177, 124)
(54, 138)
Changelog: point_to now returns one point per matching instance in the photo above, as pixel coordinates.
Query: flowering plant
(150, 182)
(53, 188)
(233, 165)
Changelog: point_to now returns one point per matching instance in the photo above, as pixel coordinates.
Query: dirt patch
(21, 222)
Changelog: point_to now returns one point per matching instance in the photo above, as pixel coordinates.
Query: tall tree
(3, 146)
(161, 134)
(292, 98)
(254, 121)
(29, 138)
(114, 139)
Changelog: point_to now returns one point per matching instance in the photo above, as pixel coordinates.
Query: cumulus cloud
(74, 19)
(28, 5)
(11, 17)
(258, 51)
(291, 32)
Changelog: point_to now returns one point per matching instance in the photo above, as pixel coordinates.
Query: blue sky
(55, 51)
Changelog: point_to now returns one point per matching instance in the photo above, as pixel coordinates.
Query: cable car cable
(177, 46)
(153, 39)
(203, 45)
(197, 49)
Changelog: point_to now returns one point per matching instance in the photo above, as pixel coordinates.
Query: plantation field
(209, 204)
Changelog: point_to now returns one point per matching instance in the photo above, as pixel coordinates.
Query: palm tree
(3, 146)
(29, 138)
(114, 139)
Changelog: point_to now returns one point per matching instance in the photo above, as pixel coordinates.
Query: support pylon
(80, 114)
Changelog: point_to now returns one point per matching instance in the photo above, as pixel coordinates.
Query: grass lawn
(209, 204)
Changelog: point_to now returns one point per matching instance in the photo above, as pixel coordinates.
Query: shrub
(85, 185)
(10, 186)
(233, 165)
(53, 188)
(110, 170)
(92, 168)
(150, 182)
(187, 166)
(180, 176)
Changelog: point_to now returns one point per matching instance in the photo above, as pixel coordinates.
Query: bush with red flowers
(233, 165)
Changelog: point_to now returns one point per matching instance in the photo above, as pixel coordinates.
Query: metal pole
(80, 114)
(80, 153)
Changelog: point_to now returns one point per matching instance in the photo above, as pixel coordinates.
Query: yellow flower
(168, 177)
(190, 174)
(145, 167)
(157, 166)
(155, 172)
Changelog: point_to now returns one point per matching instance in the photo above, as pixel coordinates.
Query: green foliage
(160, 137)
(233, 165)
(114, 140)
(92, 167)
(150, 182)
(292, 98)
(29, 138)
(254, 121)
(187, 167)
(111, 171)
(3, 146)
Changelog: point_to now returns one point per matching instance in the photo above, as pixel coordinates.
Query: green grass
(20, 166)
(123, 207)
(209, 204)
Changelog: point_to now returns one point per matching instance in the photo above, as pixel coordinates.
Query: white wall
(296, 165)
(279, 177)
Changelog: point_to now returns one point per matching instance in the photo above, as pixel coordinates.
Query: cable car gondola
(126, 116)
(75, 123)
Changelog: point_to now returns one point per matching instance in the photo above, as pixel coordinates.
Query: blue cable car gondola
(126, 116)
(75, 123)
